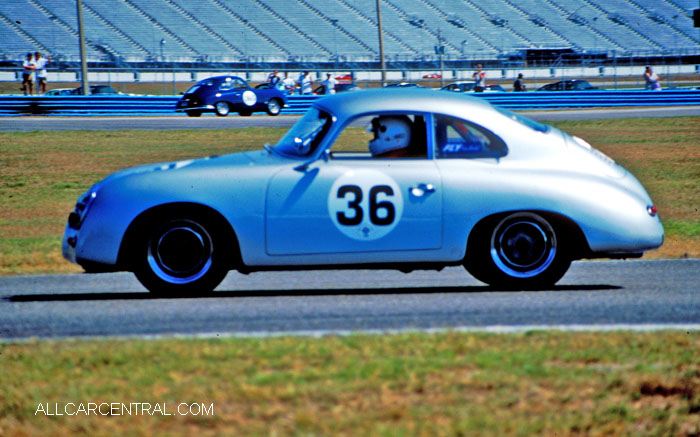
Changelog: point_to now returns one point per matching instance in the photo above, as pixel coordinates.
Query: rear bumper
(195, 108)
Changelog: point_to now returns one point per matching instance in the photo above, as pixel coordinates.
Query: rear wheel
(179, 255)
(274, 107)
(222, 109)
(520, 250)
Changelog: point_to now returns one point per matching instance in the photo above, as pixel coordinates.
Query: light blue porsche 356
(394, 179)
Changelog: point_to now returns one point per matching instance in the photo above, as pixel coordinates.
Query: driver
(392, 136)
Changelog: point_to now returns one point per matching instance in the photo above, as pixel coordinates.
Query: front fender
(117, 204)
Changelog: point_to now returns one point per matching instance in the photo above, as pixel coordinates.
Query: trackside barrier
(111, 105)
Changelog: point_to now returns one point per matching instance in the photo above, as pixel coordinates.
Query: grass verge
(42, 173)
(536, 383)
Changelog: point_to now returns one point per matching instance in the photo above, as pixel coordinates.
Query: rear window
(532, 124)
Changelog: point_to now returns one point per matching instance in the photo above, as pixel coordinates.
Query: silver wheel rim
(222, 108)
(274, 107)
(181, 252)
(523, 245)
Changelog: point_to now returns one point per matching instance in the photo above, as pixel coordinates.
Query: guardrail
(112, 105)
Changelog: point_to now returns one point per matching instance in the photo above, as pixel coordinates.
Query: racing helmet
(390, 133)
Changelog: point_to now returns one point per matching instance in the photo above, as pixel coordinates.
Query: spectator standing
(478, 76)
(288, 84)
(40, 68)
(305, 83)
(519, 85)
(652, 80)
(273, 79)
(28, 67)
(328, 85)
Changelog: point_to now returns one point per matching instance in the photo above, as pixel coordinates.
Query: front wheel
(180, 255)
(520, 250)
(274, 107)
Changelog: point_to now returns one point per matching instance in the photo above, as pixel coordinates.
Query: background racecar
(225, 94)
(512, 200)
(568, 85)
(468, 87)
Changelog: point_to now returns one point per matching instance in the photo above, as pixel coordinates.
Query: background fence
(115, 105)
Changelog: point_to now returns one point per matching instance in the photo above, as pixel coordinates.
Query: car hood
(244, 159)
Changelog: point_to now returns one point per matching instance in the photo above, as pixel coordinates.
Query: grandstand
(306, 32)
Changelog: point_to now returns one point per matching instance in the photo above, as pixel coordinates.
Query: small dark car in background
(468, 87)
(225, 94)
(568, 85)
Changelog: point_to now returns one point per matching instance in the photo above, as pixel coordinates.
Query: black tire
(179, 255)
(194, 113)
(222, 109)
(521, 250)
(274, 107)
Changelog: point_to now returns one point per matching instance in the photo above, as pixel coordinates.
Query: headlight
(75, 219)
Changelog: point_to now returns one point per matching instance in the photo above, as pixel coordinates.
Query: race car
(468, 87)
(384, 179)
(225, 94)
(568, 85)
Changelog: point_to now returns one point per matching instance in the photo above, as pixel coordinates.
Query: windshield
(303, 138)
(532, 124)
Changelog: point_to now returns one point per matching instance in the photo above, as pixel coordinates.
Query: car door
(237, 93)
(353, 203)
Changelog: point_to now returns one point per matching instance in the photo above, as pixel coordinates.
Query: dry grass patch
(42, 174)
(536, 383)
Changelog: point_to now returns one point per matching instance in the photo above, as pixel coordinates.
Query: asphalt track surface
(663, 294)
(20, 124)
(659, 294)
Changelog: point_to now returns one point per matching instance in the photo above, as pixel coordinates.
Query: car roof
(223, 77)
(347, 105)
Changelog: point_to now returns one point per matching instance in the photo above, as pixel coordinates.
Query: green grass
(451, 384)
(42, 173)
(535, 383)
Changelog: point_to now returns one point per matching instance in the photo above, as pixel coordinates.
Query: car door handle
(422, 189)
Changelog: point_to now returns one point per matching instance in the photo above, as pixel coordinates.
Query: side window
(381, 136)
(226, 85)
(458, 138)
(239, 84)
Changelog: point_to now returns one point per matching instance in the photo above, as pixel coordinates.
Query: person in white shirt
(28, 67)
(328, 84)
(40, 68)
(305, 83)
(288, 84)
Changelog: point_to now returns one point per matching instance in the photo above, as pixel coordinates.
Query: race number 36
(365, 204)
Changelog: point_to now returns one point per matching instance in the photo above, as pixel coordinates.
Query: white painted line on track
(495, 329)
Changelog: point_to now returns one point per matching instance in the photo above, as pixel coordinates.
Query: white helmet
(390, 133)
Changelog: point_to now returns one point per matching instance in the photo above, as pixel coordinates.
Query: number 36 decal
(374, 205)
(365, 205)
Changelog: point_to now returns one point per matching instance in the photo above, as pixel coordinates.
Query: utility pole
(381, 44)
(440, 51)
(83, 55)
